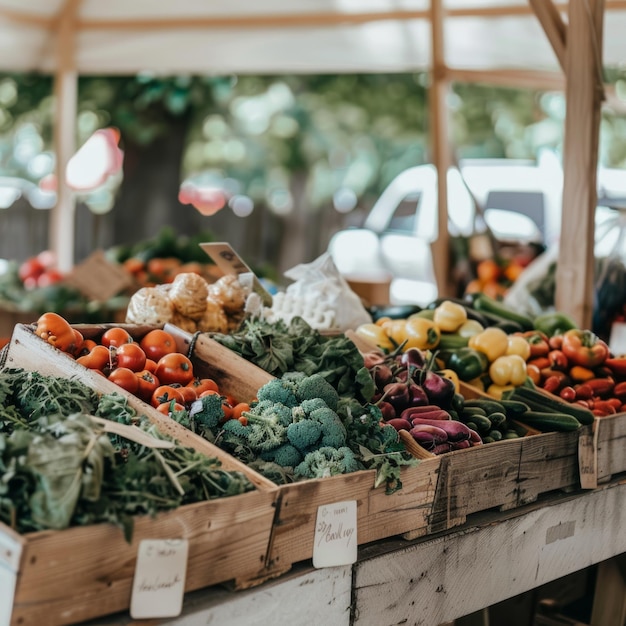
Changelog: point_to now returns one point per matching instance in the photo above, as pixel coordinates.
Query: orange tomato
(115, 337)
(125, 378)
(167, 407)
(203, 384)
(157, 343)
(165, 393)
(98, 358)
(488, 270)
(174, 368)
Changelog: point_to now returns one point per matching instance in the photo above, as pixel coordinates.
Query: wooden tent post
(439, 86)
(65, 91)
(584, 94)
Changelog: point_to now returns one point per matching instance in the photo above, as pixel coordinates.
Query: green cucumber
(474, 410)
(542, 401)
(497, 419)
(483, 423)
(546, 421)
(452, 341)
(514, 408)
(487, 304)
(496, 435)
(489, 405)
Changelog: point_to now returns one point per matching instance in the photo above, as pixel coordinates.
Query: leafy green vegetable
(59, 468)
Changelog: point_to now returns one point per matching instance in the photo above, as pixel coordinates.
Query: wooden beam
(584, 93)
(66, 96)
(553, 25)
(527, 79)
(439, 141)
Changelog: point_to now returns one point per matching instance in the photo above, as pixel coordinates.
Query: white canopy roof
(283, 36)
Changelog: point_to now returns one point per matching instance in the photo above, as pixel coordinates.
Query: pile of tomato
(151, 368)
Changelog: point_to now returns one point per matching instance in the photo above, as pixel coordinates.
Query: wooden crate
(504, 475)
(406, 512)
(81, 573)
(608, 444)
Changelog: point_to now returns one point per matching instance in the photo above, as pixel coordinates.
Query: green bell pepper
(467, 363)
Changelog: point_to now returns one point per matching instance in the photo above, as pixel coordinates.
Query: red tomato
(130, 355)
(49, 277)
(203, 384)
(98, 359)
(165, 393)
(125, 378)
(86, 347)
(174, 368)
(147, 384)
(188, 394)
(31, 268)
(157, 343)
(167, 407)
(115, 337)
(150, 365)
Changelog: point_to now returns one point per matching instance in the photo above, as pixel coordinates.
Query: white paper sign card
(8, 580)
(159, 582)
(335, 535)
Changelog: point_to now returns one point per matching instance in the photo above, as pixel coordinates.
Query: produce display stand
(84, 572)
(440, 578)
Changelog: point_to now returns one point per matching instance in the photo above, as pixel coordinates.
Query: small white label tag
(159, 582)
(8, 580)
(231, 263)
(588, 458)
(335, 535)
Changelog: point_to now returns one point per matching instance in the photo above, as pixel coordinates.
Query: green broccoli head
(275, 410)
(389, 435)
(327, 461)
(304, 434)
(207, 411)
(316, 386)
(285, 455)
(279, 390)
(333, 431)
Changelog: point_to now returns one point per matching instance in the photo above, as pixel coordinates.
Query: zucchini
(542, 401)
(482, 422)
(514, 408)
(489, 405)
(546, 421)
(497, 419)
(474, 410)
(487, 304)
(496, 435)
(452, 341)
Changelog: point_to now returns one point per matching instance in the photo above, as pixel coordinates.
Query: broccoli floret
(333, 431)
(389, 435)
(293, 377)
(235, 427)
(316, 386)
(267, 407)
(285, 455)
(304, 434)
(279, 390)
(327, 461)
(208, 411)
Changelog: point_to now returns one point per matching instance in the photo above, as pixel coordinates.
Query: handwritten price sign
(335, 540)
(159, 582)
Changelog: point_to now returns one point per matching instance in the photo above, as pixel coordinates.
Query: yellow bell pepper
(496, 391)
(518, 345)
(421, 333)
(449, 316)
(470, 328)
(509, 369)
(492, 342)
(374, 335)
(395, 329)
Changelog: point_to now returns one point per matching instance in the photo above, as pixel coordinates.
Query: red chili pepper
(558, 360)
(568, 394)
(601, 387)
(552, 384)
(582, 347)
(541, 362)
(617, 365)
(583, 392)
(599, 413)
(616, 403)
(619, 391)
(603, 405)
